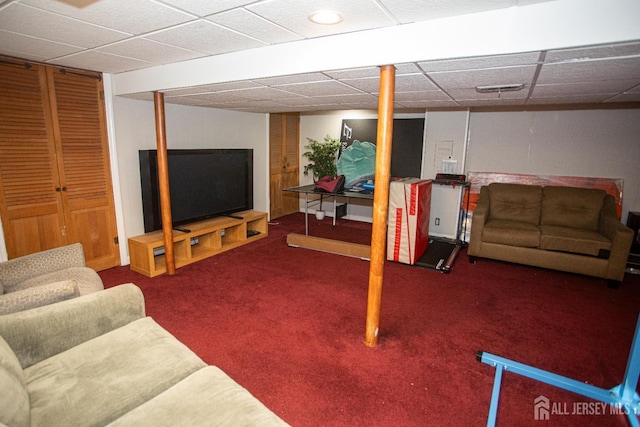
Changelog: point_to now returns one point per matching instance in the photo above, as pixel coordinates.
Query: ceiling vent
(500, 88)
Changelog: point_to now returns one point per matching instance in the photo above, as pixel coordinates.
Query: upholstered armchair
(46, 277)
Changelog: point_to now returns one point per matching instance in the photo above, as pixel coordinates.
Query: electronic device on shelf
(451, 177)
(204, 183)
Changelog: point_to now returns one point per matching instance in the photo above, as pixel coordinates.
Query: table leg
(306, 214)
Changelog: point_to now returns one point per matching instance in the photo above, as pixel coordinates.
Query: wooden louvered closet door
(284, 161)
(32, 215)
(59, 164)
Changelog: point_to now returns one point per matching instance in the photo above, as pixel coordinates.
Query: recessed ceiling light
(325, 17)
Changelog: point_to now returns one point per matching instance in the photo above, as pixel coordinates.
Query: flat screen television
(203, 183)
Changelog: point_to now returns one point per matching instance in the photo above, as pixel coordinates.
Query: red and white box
(408, 227)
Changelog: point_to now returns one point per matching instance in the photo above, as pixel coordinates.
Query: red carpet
(288, 324)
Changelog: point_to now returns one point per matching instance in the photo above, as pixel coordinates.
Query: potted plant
(322, 157)
(322, 161)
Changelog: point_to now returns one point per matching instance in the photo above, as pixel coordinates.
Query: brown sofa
(562, 228)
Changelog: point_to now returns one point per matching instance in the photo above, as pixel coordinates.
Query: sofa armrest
(16, 271)
(480, 216)
(37, 334)
(25, 299)
(621, 238)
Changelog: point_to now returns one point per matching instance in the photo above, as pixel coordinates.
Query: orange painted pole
(163, 181)
(380, 203)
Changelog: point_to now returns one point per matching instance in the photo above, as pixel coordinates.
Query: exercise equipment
(623, 397)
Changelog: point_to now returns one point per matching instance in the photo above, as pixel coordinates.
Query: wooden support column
(163, 180)
(380, 202)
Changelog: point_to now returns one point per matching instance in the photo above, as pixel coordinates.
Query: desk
(310, 189)
(322, 244)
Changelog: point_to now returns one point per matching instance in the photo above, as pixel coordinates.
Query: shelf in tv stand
(203, 240)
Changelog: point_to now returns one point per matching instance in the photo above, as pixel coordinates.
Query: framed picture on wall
(407, 142)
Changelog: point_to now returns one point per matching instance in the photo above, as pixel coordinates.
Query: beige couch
(561, 228)
(97, 360)
(46, 277)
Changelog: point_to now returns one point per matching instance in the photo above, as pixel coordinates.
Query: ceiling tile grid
(250, 24)
(105, 36)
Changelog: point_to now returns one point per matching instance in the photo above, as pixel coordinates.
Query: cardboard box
(408, 225)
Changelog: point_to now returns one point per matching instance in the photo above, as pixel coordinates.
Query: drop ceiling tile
(292, 79)
(487, 77)
(201, 102)
(349, 98)
(143, 96)
(98, 61)
(403, 83)
(357, 73)
(32, 48)
(37, 23)
(625, 97)
(354, 73)
(479, 63)
(204, 8)
(588, 71)
(408, 68)
(369, 85)
(210, 97)
(578, 99)
(254, 26)
(204, 36)
(150, 51)
(324, 88)
(265, 106)
(608, 86)
(294, 15)
(306, 102)
(413, 82)
(218, 87)
(134, 17)
(428, 104)
(422, 10)
(634, 89)
(432, 95)
(594, 52)
(490, 102)
(262, 93)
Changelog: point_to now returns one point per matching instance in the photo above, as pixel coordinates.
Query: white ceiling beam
(551, 25)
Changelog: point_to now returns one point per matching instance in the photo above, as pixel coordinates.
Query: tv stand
(211, 237)
(234, 216)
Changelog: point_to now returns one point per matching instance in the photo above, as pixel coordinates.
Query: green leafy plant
(322, 157)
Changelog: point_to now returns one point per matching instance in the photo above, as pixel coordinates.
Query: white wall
(589, 143)
(446, 131)
(186, 127)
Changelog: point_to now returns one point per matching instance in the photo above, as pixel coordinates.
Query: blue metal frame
(623, 396)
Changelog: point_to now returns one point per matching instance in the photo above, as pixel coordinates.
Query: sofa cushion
(572, 207)
(24, 299)
(207, 397)
(515, 202)
(101, 379)
(14, 399)
(512, 233)
(585, 242)
(88, 280)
